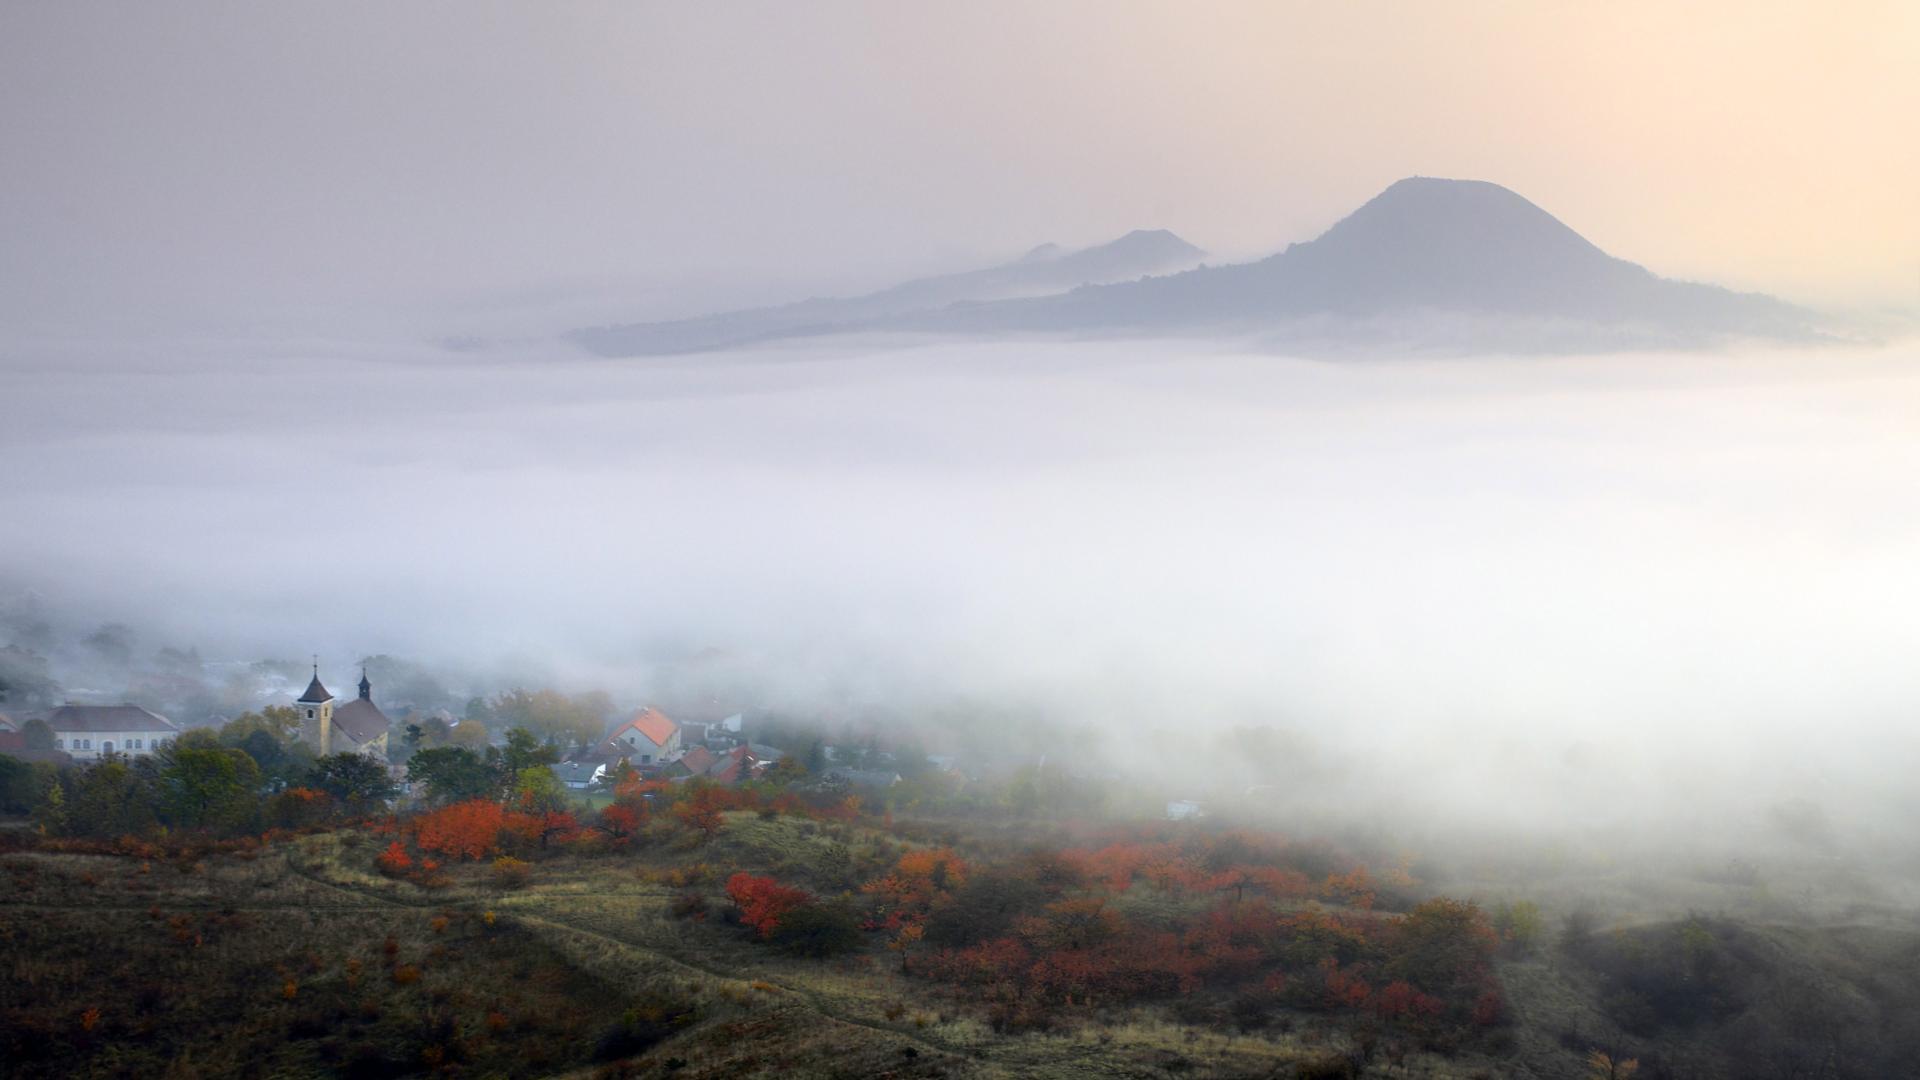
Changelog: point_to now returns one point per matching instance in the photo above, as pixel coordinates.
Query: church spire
(366, 688)
(316, 693)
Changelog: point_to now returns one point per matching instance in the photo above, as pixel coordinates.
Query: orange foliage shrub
(467, 830)
(394, 861)
(763, 902)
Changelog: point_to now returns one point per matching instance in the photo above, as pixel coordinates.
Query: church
(358, 727)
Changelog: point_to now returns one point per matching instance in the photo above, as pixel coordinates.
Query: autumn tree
(762, 902)
(466, 830)
(618, 821)
(704, 812)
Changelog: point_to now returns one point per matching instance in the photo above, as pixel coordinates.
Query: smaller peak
(1042, 253)
(1162, 241)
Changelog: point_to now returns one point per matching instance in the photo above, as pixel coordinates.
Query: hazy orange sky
(203, 157)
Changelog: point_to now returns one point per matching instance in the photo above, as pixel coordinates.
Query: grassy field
(299, 959)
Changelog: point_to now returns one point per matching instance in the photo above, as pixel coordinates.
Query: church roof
(360, 720)
(315, 693)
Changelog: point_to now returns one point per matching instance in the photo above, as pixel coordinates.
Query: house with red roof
(649, 738)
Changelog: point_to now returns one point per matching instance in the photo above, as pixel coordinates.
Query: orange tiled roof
(652, 723)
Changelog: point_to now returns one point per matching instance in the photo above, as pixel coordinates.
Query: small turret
(366, 688)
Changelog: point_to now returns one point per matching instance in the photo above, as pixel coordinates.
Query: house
(579, 775)
(88, 731)
(694, 762)
(743, 763)
(649, 738)
(358, 727)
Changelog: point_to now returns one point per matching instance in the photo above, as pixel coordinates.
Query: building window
(86, 744)
(646, 759)
(59, 744)
(309, 714)
(135, 744)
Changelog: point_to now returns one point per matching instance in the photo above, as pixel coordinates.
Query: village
(728, 745)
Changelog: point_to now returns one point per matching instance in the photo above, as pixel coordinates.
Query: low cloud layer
(1689, 570)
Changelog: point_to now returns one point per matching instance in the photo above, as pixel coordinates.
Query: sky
(218, 168)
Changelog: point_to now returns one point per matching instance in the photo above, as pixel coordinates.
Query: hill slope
(1463, 249)
(1047, 269)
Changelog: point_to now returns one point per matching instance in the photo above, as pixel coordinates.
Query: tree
(524, 750)
(37, 734)
(787, 770)
(537, 790)
(469, 734)
(109, 799)
(468, 830)
(704, 813)
(204, 785)
(618, 821)
(52, 811)
(450, 774)
(553, 715)
(23, 785)
(356, 781)
(1519, 925)
(282, 722)
(762, 902)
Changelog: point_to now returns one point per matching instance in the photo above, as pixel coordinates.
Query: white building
(88, 731)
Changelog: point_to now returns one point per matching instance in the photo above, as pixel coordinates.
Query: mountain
(1046, 270)
(1426, 256)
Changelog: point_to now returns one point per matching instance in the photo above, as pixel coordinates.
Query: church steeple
(316, 693)
(366, 688)
(316, 719)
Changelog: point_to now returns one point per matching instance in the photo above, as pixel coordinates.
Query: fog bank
(1629, 565)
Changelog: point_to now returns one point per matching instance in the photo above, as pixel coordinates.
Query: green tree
(23, 785)
(37, 734)
(110, 799)
(204, 785)
(51, 813)
(451, 774)
(524, 750)
(537, 790)
(356, 781)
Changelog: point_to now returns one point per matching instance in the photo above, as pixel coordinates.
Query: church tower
(316, 714)
(366, 688)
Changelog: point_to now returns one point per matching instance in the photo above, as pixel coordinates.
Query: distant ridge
(1460, 263)
(1469, 257)
(1046, 270)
